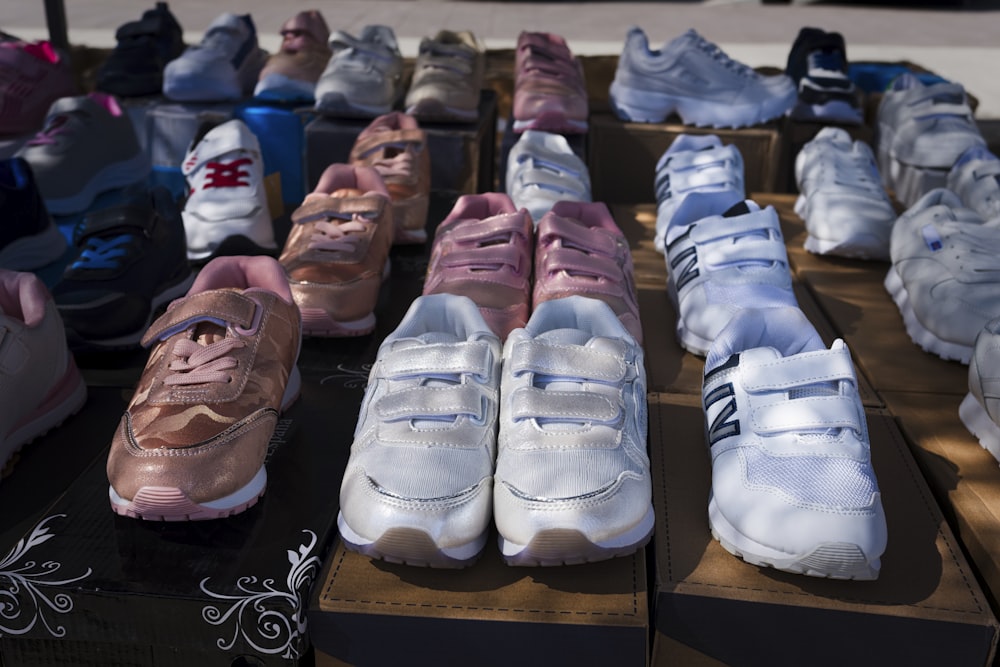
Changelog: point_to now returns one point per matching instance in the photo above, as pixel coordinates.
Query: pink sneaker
(482, 250)
(33, 75)
(581, 251)
(394, 145)
(549, 89)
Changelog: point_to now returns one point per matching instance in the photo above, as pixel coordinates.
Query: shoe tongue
(565, 336)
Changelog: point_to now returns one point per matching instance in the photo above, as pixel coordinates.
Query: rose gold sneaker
(395, 146)
(192, 442)
(337, 252)
(40, 385)
(482, 250)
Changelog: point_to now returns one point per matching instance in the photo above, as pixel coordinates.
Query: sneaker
(40, 385)
(222, 366)
(364, 76)
(29, 239)
(694, 163)
(482, 250)
(135, 67)
(33, 75)
(695, 79)
(846, 210)
(396, 147)
(817, 64)
(542, 169)
(580, 250)
(418, 488)
(291, 73)
(337, 252)
(226, 212)
(88, 146)
(224, 66)
(130, 261)
(447, 78)
(572, 481)
(975, 178)
(720, 261)
(793, 486)
(549, 89)
(922, 131)
(980, 409)
(944, 276)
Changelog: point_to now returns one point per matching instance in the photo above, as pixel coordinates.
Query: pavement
(958, 40)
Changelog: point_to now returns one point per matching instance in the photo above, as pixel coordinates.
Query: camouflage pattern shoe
(192, 442)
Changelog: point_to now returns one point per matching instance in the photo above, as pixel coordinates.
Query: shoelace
(227, 174)
(102, 253)
(400, 165)
(723, 58)
(201, 364)
(55, 127)
(336, 236)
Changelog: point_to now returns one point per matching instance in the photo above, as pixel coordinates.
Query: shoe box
(462, 154)
(622, 156)
(708, 607)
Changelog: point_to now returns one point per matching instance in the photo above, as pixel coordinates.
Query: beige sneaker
(447, 78)
(395, 146)
(40, 385)
(337, 252)
(193, 439)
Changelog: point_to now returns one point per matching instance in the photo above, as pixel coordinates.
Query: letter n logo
(723, 426)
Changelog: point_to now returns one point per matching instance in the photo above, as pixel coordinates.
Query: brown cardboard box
(366, 612)
(711, 608)
(622, 156)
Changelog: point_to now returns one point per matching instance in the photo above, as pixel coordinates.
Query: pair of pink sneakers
(487, 249)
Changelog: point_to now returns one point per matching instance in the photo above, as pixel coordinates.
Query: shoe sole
(115, 175)
(411, 546)
(830, 560)
(919, 334)
(569, 546)
(979, 424)
(435, 111)
(167, 503)
(33, 252)
(336, 104)
(648, 107)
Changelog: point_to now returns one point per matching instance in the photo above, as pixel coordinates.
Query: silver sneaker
(364, 76)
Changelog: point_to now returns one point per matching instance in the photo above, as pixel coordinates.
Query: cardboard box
(622, 156)
(710, 607)
(462, 154)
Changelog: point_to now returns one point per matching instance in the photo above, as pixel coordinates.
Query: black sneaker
(818, 65)
(28, 238)
(135, 66)
(131, 261)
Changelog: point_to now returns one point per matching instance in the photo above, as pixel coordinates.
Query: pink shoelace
(202, 364)
(339, 236)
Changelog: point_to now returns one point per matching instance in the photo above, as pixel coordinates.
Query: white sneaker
(721, 260)
(226, 212)
(572, 482)
(945, 278)
(694, 78)
(418, 488)
(975, 178)
(980, 409)
(225, 65)
(792, 481)
(542, 169)
(364, 77)
(846, 210)
(694, 163)
(922, 130)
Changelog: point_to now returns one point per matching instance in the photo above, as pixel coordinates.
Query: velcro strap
(121, 218)
(499, 226)
(531, 403)
(565, 259)
(715, 228)
(364, 146)
(549, 180)
(491, 254)
(574, 361)
(431, 402)
(576, 235)
(223, 307)
(806, 414)
(344, 208)
(747, 250)
(440, 359)
(943, 109)
(799, 370)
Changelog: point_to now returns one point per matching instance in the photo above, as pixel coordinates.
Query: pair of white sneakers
(545, 436)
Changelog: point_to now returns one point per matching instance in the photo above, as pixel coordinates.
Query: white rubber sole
(645, 106)
(919, 334)
(411, 546)
(978, 422)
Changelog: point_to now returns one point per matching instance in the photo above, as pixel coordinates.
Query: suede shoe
(222, 366)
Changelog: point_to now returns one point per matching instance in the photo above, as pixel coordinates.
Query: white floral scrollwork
(23, 599)
(259, 618)
(352, 378)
